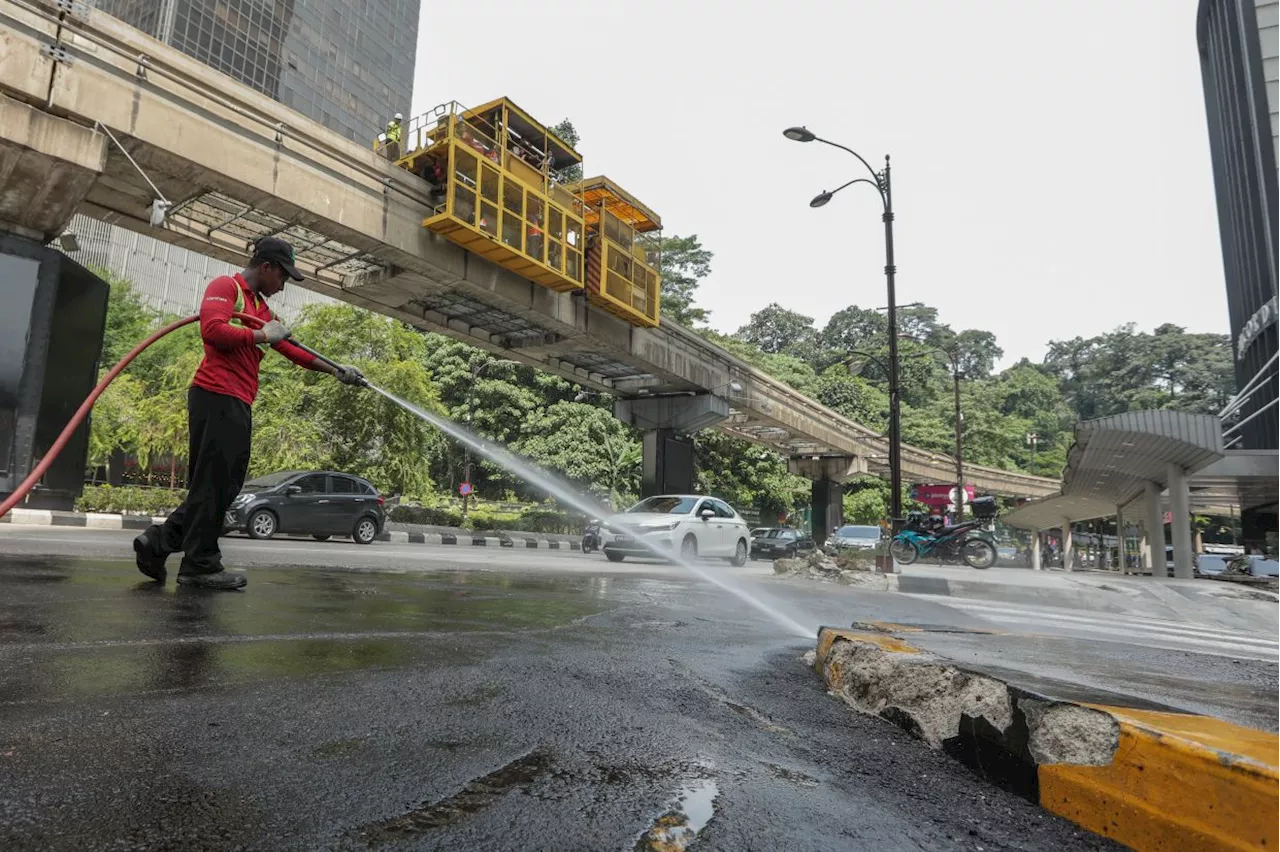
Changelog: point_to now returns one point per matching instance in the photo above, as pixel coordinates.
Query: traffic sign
(465, 488)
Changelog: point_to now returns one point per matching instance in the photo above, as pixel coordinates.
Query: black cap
(276, 250)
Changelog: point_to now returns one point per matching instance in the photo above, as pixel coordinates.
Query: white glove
(349, 375)
(275, 331)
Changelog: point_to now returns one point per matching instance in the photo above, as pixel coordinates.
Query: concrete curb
(1150, 777)
(101, 521)
(474, 540)
(92, 520)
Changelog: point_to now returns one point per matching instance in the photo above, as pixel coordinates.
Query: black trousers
(221, 427)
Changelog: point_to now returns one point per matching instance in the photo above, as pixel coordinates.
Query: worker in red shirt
(219, 415)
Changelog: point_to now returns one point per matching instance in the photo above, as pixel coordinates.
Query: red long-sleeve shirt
(231, 359)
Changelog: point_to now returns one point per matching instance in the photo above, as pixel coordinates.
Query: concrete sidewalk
(1196, 601)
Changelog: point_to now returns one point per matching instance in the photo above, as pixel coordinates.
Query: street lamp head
(799, 134)
(821, 199)
(735, 387)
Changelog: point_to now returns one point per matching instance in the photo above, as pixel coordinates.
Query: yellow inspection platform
(505, 187)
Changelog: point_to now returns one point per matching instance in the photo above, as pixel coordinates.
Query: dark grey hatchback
(315, 503)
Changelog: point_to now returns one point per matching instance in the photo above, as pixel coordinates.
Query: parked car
(315, 503)
(687, 525)
(781, 543)
(1007, 554)
(853, 536)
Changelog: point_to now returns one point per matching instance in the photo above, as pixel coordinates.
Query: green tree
(162, 414)
(747, 475)
(284, 438)
(358, 431)
(114, 424)
(849, 329)
(569, 135)
(921, 323)
(853, 396)
(976, 352)
(684, 264)
(866, 500)
(128, 321)
(787, 369)
(776, 330)
(492, 396)
(1124, 370)
(586, 446)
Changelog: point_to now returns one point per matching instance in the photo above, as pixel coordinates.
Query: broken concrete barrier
(1156, 780)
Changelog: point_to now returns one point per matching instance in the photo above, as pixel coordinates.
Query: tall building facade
(1238, 59)
(347, 64)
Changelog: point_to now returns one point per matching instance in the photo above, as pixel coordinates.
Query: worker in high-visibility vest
(395, 132)
(219, 414)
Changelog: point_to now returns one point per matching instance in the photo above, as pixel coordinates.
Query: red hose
(83, 411)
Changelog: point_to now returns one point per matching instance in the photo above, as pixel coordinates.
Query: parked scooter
(969, 542)
(591, 536)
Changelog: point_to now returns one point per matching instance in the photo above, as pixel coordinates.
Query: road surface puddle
(688, 813)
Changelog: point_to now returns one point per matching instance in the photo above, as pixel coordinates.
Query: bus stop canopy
(1114, 458)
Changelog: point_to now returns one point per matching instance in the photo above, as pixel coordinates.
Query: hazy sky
(1051, 167)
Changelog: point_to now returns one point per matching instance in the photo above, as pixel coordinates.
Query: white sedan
(684, 524)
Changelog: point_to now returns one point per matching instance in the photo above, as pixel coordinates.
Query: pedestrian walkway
(1124, 628)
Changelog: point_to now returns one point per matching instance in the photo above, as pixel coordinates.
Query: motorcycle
(923, 536)
(591, 537)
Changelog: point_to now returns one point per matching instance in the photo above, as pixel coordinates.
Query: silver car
(854, 537)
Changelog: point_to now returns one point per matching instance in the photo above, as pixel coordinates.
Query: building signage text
(1263, 317)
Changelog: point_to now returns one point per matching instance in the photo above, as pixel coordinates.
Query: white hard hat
(399, 116)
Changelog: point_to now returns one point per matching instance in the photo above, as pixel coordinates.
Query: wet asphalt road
(428, 698)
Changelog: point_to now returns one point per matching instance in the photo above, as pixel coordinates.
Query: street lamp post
(880, 180)
(957, 376)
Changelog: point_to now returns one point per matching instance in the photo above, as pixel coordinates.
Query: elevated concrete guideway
(235, 165)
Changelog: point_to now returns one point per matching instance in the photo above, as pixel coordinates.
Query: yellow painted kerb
(1178, 783)
(828, 636)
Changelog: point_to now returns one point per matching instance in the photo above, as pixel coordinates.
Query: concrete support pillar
(1035, 551)
(828, 508)
(1180, 525)
(51, 330)
(667, 466)
(1120, 554)
(1068, 547)
(668, 456)
(1144, 549)
(1155, 531)
(834, 468)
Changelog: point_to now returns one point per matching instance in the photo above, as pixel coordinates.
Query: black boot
(147, 554)
(217, 580)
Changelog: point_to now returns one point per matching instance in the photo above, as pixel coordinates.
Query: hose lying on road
(39, 470)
